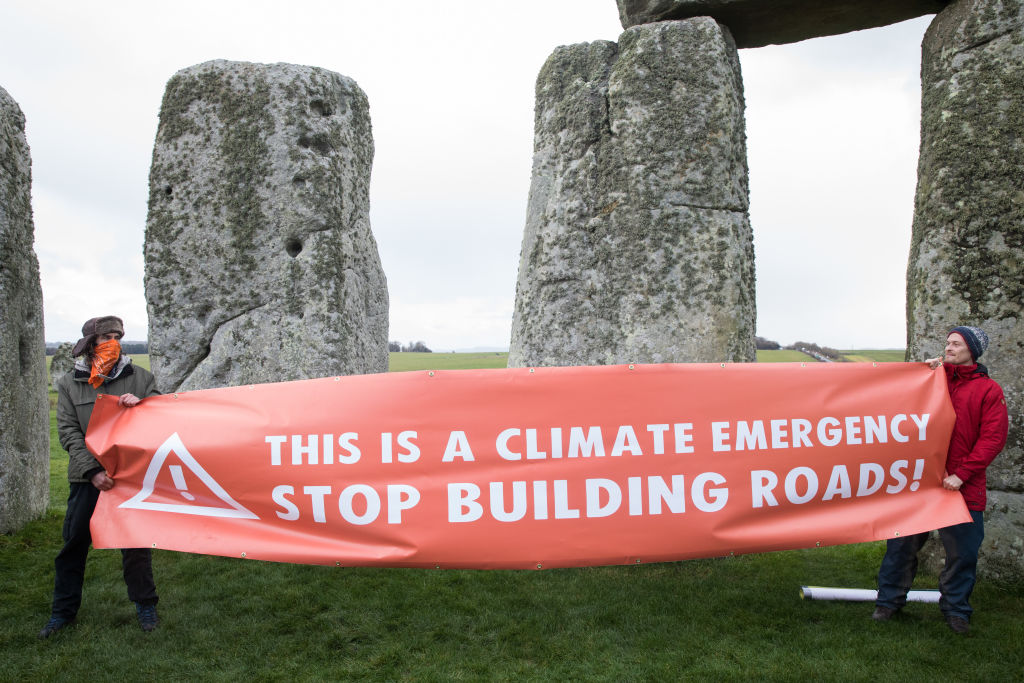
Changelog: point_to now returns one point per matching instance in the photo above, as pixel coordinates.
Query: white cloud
(87, 269)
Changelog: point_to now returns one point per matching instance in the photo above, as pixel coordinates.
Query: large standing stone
(260, 262)
(754, 23)
(24, 408)
(967, 250)
(61, 363)
(637, 244)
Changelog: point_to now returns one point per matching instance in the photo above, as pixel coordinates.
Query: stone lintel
(756, 23)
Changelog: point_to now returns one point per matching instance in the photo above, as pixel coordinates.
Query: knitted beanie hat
(977, 340)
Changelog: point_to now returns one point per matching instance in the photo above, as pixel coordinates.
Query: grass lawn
(784, 356)
(875, 355)
(402, 362)
(732, 619)
(737, 618)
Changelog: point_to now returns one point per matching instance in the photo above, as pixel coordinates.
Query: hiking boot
(883, 613)
(53, 625)
(147, 616)
(958, 624)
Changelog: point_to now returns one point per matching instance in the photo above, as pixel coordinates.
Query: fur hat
(977, 340)
(93, 328)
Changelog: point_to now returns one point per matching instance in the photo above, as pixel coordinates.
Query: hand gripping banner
(531, 467)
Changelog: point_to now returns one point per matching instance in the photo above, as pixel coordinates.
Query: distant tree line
(762, 344)
(129, 347)
(141, 347)
(411, 347)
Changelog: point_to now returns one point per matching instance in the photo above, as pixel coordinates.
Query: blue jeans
(899, 566)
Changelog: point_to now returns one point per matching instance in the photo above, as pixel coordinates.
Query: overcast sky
(832, 135)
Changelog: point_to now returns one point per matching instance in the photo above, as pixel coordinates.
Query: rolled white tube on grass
(861, 594)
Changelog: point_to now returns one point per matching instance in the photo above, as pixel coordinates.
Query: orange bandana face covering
(104, 357)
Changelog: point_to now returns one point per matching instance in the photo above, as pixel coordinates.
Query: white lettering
(872, 476)
(457, 447)
(684, 438)
(791, 482)
(829, 436)
(896, 472)
(720, 436)
(658, 432)
(462, 503)
(659, 492)
(626, 440)
(762, 483)
(401, 497)
(750, 436)
(838, 484)
(699, 492)
(518, 501)
(501, 445)
(275, 448)
(591, 444)
(894, 425)
(779, 433)
(922, 425)
(291, 512)
(347, 509)
(316, 495)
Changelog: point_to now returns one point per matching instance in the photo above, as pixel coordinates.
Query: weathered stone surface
(1002, 551)
(24, 408)
(637, 245)
(61, 363)
(967, 250)
(755, 23)
(260, 262)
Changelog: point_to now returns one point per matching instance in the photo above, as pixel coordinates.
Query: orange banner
(531, 467)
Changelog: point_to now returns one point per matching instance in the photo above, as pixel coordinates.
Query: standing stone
(61, 363)
(24, 407)
(967, 250)
(638, 245)
(755, 23)
(260, 262)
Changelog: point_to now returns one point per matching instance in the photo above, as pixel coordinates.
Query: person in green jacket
(100, 368)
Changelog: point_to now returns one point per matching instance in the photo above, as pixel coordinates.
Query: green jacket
(75, 400)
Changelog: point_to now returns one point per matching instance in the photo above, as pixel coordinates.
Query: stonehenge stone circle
(24, 405)
(755, 23)
(260, 262)
(61, 363)
(966, 261)
(600, 160)
(637, 246)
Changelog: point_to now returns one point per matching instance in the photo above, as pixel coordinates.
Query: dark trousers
(137, 564)
(956, 582)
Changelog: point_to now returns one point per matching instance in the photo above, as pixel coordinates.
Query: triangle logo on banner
(174, 445)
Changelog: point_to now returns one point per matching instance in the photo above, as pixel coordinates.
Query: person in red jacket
(979, 434)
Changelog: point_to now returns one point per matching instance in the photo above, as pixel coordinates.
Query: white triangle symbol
(175, 445)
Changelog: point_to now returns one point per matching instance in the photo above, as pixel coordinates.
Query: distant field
(403, 362)
(875, 355)
(784, 356)
(140, 359)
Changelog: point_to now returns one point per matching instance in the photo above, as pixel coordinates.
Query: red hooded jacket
(979, 432)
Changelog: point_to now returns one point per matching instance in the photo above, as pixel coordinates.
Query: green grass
(876, 355)
(400, 362)
(403, 362)
(732, 619)
(784, 356)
